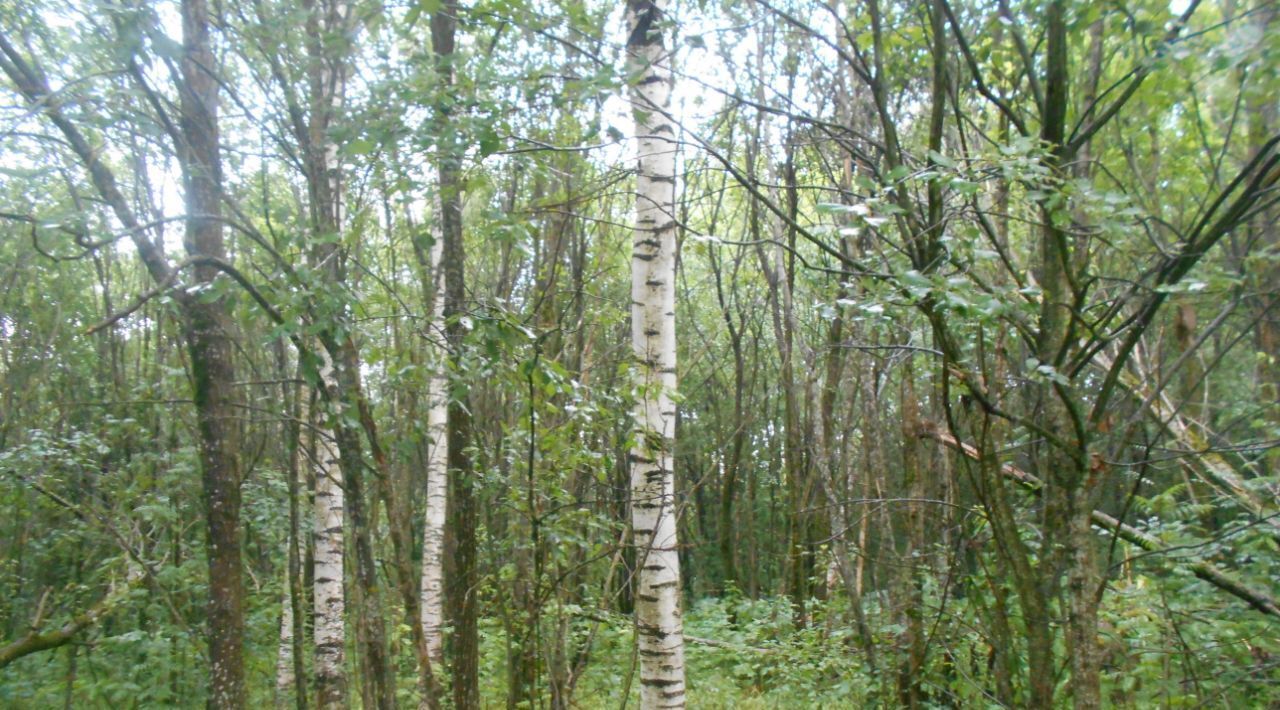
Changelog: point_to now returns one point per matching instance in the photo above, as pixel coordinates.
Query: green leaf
(490, 143)
(941, 159)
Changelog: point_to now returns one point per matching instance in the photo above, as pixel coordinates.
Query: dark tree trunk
(207, 328)
(460, 532)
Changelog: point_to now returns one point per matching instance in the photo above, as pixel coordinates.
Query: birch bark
(289, 665)
(284, 652)
(659, 625)
(327, 82)
(330, 598)
(432, 594)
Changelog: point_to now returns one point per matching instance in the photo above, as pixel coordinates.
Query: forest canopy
(559, 353)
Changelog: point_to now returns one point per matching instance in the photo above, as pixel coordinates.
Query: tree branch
(1255, 598)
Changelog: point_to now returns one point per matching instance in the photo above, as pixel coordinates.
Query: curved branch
(34, 641)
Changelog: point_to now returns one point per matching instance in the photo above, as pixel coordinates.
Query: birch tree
(330, 597)
(322, 69)
(327, 22)
(437, 459)
(290, 668)
(286, 680)
(659, 626)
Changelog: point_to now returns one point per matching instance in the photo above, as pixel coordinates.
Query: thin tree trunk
(330, 598)
(1068, 493)
(729, 489)
(377, 688)
(326, 79)
(208, 328)
(285, 678)
(911, 688)
(659, 625)
(427, 615)
(460, 539)
(432, 587)
(330, 26)
(292, 628)
(831, 485)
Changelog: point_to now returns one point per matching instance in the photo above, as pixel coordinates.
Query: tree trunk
(659, 625)
(729, 489)
(290, 679)
(207, 328)
(460, 538)
(329, 30)
(1069, 490)
(326, 80)
(911, 688)
(432, 588)
(285, 679)
(330, 597)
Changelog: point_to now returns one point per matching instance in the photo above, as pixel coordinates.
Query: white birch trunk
(284, 655)
(328, 21)
(330, 599)
(432, 593)
(659, 626)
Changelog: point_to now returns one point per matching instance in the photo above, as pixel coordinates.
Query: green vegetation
(977, 349)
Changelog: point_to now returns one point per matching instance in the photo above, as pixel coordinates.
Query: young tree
(328, 25)
(433, 524)
(460, 536)
(659, 626)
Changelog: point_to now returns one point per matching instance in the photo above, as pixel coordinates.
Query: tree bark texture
(659, 625)
(207, 328)
(460, 537)
(330, 597)
(432, 586)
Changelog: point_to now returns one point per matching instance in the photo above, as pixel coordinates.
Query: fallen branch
(1256, 598)
(1207, 465)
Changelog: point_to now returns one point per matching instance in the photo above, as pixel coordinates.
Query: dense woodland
(561, 353)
